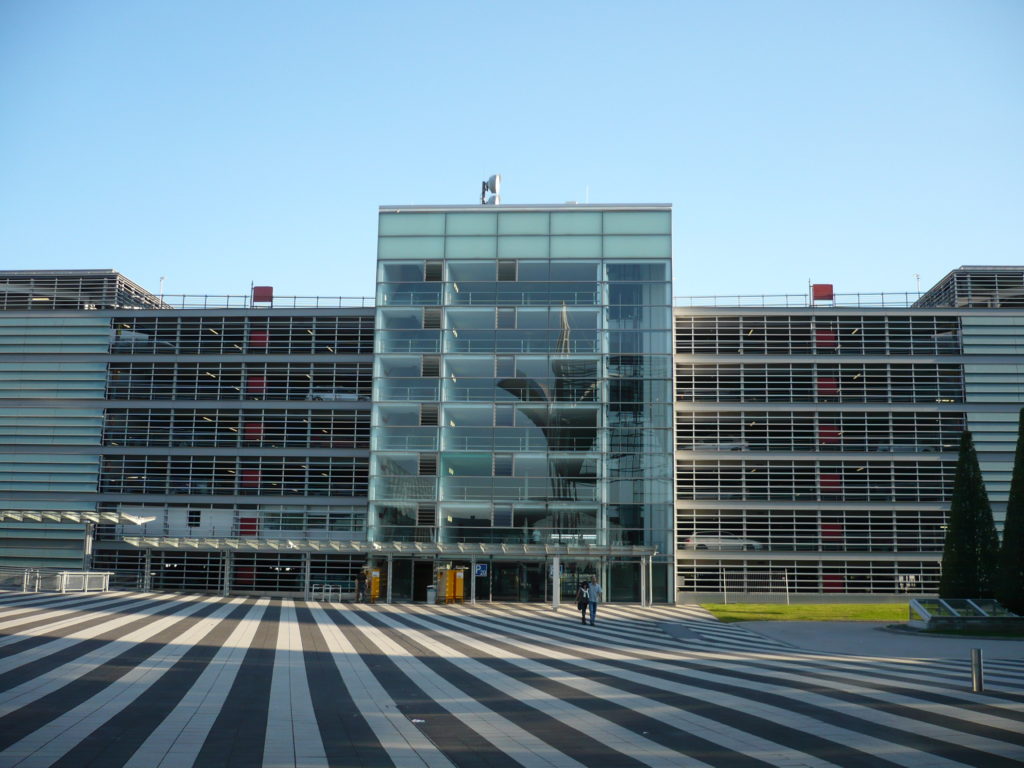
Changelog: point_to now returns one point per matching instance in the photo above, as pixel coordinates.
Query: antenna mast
(493, 184)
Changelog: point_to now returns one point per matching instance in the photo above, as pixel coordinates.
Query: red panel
(250, 478)
(244, 574)
(822, 292)
(828, 386)
(257, 385)
(824, 338)
(832, 582)
(263, 293)
(828, 434)
(830, 482)
(248, 526)
(831, 530)
(258, 339)
(253, 430)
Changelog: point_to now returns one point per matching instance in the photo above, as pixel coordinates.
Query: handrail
(228, 301)
(802, 300)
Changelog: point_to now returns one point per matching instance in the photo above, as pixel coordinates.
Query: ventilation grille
(428, 415)
(431, 366)
(432, 317)
(426, 515)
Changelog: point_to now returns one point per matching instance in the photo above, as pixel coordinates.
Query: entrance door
(520, 582)
(422, 577)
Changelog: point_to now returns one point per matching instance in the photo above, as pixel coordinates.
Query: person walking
(360, 587)
(593, 597)
(582, 600)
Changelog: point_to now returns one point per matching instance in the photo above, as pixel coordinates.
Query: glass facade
(522, 380)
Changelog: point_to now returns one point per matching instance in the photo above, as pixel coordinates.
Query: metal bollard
(977, 671)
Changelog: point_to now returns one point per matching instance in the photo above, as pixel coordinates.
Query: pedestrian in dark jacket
(582, 601)
(360, 587)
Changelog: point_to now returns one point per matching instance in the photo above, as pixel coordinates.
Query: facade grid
(522, 402)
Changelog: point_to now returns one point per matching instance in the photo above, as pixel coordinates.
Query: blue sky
(219, 144)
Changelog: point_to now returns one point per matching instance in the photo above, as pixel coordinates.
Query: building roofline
(531, 207)
(59, 272)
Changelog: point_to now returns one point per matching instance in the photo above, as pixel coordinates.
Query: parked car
(719, 541)
(347, 395)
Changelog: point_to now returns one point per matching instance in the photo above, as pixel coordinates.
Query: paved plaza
(167, 680)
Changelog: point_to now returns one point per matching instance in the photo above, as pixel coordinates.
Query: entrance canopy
(415, 548)
(70, 516)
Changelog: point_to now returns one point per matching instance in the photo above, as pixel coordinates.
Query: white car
(336, 394)
(719, 541)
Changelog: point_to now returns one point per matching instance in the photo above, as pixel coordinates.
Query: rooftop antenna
(917, 277)
(493, 184)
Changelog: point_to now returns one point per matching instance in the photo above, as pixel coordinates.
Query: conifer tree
(1010, 570)
(972, 544)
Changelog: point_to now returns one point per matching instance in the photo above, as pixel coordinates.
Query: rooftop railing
(203, 301)
(866, 300)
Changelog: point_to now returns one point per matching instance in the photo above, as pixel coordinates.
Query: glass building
(522, 418)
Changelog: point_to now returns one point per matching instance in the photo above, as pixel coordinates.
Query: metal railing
(795, 300)
(50, 580)
(203, 301)
(333, 591)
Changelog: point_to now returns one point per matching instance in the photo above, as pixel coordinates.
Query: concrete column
(556, 591)
(229, 562)
(147, 570)
(643, 580)
(90, 532)
(307, 574)
(472, 580)
(650, 580)
(391, 562)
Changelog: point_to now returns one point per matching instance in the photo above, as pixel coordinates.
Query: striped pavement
(169, 681)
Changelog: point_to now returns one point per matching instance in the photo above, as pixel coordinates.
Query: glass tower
(522, 391)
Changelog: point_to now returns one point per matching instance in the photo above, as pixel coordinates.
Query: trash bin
(431, 594)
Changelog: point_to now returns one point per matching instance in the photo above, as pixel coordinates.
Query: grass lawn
(828, 612)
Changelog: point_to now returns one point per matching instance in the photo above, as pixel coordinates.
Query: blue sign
(481, 569)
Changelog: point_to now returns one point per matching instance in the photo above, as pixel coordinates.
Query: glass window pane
(576, 247)
(402, 272)
(397, 415)
(573, 271)
(632, 272)
(406, 366)
(471, 247)
(648, 246)
(463, 367)
(467, 416)
(576, 223)
(521, 223)
(531, 247)
(472, 223)
(401, 318)
(637, 222)
(470, 319)
(534, 271)
(472, 271)
(406, 223)
(410, 247)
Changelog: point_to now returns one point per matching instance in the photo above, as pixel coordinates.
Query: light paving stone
(180, 737)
